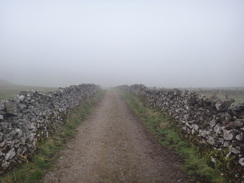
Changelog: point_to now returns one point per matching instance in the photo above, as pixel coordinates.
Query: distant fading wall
(212, 123)
(32, 116)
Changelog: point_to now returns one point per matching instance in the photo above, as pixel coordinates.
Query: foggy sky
(167, 43)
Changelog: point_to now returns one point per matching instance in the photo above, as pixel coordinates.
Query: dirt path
(113, 146)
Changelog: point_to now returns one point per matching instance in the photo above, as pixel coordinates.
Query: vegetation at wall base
(33, 169)
(164, 129)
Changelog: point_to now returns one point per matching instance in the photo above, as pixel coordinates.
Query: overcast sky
(170, 43)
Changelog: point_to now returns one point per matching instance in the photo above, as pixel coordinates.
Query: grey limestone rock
(218, 129)
(1, 118)
(235, 150)
(228, 134)
(2, 106)
(21, 97)
(211, 140)
(5, 164)
(10, 154)
(32, 116)
(241, 161)
(217, 123)
(237, 110)
(1, 136)
(213, 123)
(239, 136)
(223, 105)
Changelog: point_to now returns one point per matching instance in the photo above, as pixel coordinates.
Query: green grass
(168, 135)
(239, 98)
(10, 91)
(48, 150)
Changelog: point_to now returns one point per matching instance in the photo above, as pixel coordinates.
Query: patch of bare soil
(114, 146)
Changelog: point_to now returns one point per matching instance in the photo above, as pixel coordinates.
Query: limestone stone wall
(32, 116)
(219, 124)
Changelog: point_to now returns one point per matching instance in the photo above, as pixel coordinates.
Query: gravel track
(112, 146)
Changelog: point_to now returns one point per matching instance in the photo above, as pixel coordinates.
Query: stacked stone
(32, 116)
(217, 123)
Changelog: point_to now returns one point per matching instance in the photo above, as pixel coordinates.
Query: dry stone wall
(219, 124)
(32, 116)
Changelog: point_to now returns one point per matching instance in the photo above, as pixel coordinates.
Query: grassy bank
(167, 134)
(48, 150)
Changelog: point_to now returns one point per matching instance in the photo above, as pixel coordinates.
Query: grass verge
(168, 135)
(48, 150)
